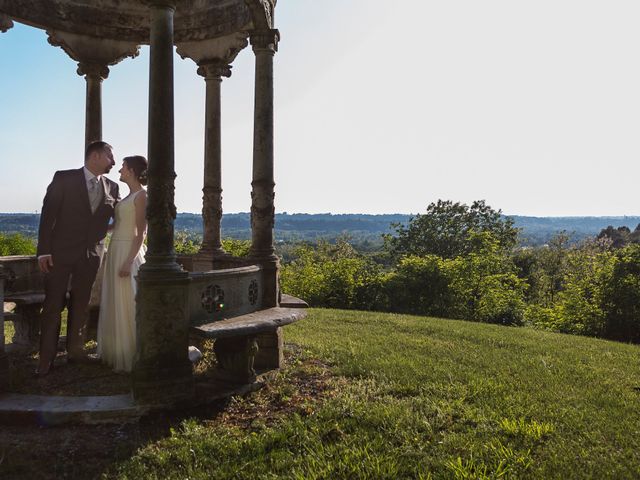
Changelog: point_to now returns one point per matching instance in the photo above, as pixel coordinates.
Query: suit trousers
(80, 275)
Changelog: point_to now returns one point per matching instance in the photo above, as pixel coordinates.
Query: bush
(333, 276)
(419, 285)
(621, 296)
(16, 244)
(186, 244)
(237, 248)
(479, 286)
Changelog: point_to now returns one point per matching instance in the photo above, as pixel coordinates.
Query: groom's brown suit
(74, 236)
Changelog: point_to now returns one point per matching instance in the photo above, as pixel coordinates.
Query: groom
(73, 224)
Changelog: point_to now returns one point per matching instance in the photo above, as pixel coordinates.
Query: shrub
(333, 276)
(621, 296)
(16, 244)
(419, 285)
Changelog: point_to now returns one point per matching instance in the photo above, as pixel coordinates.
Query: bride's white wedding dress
(117, 322)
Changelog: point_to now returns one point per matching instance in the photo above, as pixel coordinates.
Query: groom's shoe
(82, 359)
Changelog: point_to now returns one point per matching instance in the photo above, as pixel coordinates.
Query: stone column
(93, 74)
(262, 209)
(4, 360)
(162, 371)
(5, 24)
(264, 45)
(212, 198)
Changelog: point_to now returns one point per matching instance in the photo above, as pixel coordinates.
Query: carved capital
(214, 70)
(92, 50)
(93, 70)
(220, 50)
(262, 40)
(5, 23)
(261, 13)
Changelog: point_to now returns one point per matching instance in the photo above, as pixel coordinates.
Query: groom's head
(98, 158)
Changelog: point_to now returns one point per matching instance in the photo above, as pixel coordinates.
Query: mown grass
(430, 398)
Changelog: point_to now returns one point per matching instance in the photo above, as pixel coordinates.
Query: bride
(116, 325)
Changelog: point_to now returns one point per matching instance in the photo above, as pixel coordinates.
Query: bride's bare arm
(140, 203)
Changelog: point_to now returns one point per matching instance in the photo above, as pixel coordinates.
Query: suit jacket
(68, 230)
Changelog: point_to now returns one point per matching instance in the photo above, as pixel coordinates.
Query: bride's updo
(139, 165)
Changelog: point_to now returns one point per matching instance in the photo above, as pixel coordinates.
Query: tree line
(464, 262)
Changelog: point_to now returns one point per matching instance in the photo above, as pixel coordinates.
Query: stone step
(50, 410)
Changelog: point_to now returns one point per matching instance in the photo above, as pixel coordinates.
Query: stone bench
(25, 316)
(249, 342)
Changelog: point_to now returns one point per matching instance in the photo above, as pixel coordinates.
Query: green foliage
(480, 286)
(16, 244)
(420, 285)
(621, 296)
(186, 243)
(333, 276)
(484, 284)
(580, 304)
(446, 230)
(237, 248)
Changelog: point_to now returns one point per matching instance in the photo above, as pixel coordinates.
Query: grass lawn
(419, 397)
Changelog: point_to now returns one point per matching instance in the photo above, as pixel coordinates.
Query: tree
(619, 237)
(621, 296)
(446, 230)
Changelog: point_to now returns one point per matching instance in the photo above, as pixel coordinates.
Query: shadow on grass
(95, 451)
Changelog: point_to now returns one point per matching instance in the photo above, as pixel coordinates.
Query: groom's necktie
(94, 194)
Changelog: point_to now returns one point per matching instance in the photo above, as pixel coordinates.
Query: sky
(380, 107)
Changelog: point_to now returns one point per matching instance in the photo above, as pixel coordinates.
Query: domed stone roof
(128, 20)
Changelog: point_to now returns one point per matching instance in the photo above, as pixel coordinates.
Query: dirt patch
(65, 379)
(86, 452)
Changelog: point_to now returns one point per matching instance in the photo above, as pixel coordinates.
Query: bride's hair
(139, 165)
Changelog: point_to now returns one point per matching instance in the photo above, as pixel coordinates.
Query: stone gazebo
(212, 294)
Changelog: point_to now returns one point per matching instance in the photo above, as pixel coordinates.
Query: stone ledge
(250, 324)
(289, 301)
(52, 410)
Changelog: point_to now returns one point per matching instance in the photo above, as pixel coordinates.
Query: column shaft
(212, 198)
(93, 74)
(161, 210)
(93, 114)
(262, 195)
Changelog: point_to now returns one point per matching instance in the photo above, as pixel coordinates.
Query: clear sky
(381, 107)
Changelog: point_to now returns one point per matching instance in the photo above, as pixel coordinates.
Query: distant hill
(305, 226)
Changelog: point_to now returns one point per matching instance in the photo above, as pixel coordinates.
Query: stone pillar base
(270, 354)
(235, 358)
(162, 372)
(271, 282)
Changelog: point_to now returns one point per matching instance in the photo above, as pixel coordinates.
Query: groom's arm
(48, 216)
